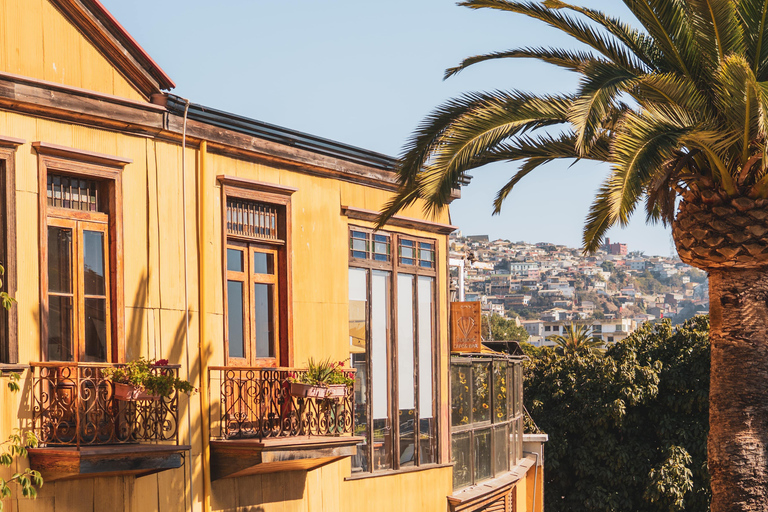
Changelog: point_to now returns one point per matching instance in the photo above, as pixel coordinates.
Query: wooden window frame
(394, 268)
(9, 319)
(249, 278)
(273, 195)
(107, 170)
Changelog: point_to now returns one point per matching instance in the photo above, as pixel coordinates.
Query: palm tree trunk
(738, 397)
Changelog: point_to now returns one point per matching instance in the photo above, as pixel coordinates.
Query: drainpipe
(205, 213)
(186, 288)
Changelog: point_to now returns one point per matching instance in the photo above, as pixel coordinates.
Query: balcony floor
(240, 457)
(69, 463)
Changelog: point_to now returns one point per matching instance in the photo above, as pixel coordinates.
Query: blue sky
(365, 73)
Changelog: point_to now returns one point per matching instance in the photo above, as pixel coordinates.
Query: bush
(627, 428)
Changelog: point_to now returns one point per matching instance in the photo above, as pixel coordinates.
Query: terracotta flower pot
(131, 393)
(311, 391)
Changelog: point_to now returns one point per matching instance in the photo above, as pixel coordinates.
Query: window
(392, 325)
(256, 272)
(547, 328)
(8, 318)
(81, 282)
(486, 417)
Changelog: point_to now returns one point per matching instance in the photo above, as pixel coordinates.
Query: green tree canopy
(627, 429)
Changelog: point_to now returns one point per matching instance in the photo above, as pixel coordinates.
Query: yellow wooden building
(134, 223)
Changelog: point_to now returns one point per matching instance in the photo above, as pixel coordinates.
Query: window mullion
(394, 404)
(249, 343)
(416, 397)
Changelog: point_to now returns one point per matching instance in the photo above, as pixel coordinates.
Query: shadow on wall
(253, 493)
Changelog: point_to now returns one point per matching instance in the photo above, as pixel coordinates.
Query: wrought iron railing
(257, 402)
(74, 404)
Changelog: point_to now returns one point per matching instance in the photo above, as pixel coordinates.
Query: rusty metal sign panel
(465, 327)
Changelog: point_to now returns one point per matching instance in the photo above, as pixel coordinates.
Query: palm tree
(576, 337)
(679, 107)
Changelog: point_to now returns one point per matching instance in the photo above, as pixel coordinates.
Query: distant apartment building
(522, 267)
(614, 330)
(517, 300)
(534, 327)
(615, 249)
(636, 264)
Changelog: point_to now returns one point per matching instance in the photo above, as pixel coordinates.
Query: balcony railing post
(76, 399)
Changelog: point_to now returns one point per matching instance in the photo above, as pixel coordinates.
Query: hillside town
(545, 287)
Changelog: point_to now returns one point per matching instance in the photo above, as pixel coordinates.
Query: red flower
(161, 362)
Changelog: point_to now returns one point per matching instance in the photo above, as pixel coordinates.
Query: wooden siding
(153, 269)
(37, 41)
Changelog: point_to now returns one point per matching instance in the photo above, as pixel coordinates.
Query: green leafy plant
(324, 373)
(5, 300)
(16, 446)
(149, 375)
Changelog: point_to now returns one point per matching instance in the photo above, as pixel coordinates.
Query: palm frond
(567, 59)
(717, 29)
(753, 15)
(605, 44)
(666, 22)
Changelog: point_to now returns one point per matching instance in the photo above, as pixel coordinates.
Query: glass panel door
(61, 292)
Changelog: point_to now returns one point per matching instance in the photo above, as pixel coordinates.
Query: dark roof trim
(396, 220)
(280, 135)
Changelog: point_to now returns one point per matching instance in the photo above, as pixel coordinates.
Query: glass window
(400, 428)
(492, 434)
(252, 297)
(78, 315)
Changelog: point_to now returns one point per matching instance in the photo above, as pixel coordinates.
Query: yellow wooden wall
(37, 41)
(154, 283)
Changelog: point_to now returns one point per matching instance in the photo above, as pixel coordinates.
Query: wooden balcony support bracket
(69, 462)
(241, 457)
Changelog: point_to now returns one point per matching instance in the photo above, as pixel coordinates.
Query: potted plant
(325, 379)
(144, 379)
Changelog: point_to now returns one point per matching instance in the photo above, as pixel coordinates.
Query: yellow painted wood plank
(145, 494)
(61, 48)
(109, 495)
(24, 38)
(95, 73)
(28, 275)
(74, 494)
(224, 494)
(23, 127)
(54, 132)
(172, 491)
(250, 492)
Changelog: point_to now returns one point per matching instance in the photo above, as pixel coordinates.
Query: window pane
(427, 441)
(499, 391)
(426, 255)
(405, 368)
(358, 244)
(95, 330)
(481, 406)
(407, 252)
(263, 263)
(382, 431)
(93, 263)
(381, 247)
(460, 395)
(263, 316)
(461, 454)
(234, 260)
(500, 449)
(358, 295)
(235, 318)
(59, 260)
(60, 328)
(482, 454)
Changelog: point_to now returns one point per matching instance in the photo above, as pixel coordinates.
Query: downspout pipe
(205, 214)
(186, 290)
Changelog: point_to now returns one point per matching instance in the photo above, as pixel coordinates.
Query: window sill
(6, 368)
(391, 472)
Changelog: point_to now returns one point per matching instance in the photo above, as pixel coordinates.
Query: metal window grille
(73, 193)
(251, 219)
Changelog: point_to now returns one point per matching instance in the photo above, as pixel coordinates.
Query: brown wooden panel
(465, 327)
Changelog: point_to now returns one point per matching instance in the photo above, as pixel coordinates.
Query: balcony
(84, 431)
(257, 426)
